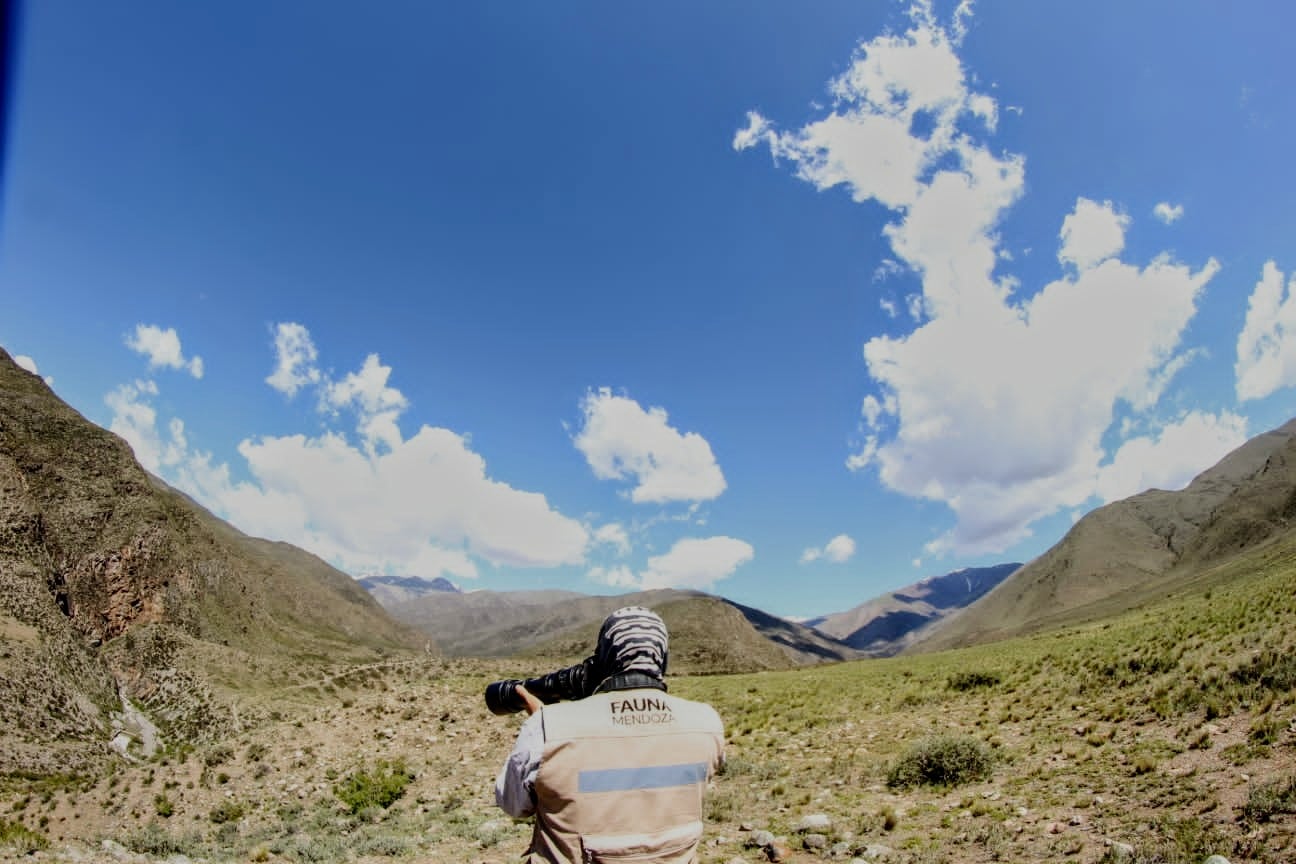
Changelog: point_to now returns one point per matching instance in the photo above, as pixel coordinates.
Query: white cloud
(618, 577)
(756, 129)
(1179, 452)
(1002, 398)
(27, 363)
(620, 439)
(135, 420)
(162, 348)
(613, 534)
(690, 563)
(1167, 212)
(423, 506)
(377, 405)
(295, 356)
(886, 270)
(838, 550)
(696, 563)
(1266, 347)
(1092, 233)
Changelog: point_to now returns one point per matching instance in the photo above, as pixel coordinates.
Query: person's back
(623, 774)
(620, 775)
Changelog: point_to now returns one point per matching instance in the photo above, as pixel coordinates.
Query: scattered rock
(877, 852)
(840, 850)
(1055, 828)
(777, 852)
(812, 822)
(1216, 859)
(1120, 851)
(815, 841)
(760, 838)
(746, 826)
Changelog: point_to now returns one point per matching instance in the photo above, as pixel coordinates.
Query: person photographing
(618, 774)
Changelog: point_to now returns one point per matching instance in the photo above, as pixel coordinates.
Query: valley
(1166, 733)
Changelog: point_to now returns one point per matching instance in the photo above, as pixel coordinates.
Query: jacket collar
(630, 681)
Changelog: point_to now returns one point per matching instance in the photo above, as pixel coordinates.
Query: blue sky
(798, 307)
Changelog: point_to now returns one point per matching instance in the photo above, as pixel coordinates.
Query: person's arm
(515, 785)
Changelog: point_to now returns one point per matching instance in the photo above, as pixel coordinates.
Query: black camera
(574, 682)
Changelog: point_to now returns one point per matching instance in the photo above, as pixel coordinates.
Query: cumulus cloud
(1092, 233)
(1266, 347)
(27, 363)
(162, 348)
(1171, 458)
(618, 577)
(613, 534)
(295, 357)
(135, 420)
(1167, 212)
(839, 549)
(419, 506)
(695, 563)
(620, 440)
(1002, 396)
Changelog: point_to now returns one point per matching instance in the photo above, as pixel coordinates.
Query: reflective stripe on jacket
(622, 778)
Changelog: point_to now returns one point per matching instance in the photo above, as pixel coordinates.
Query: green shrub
(153, 840)
(1270, 670)
(20, 838)
(218, 754)
(1270, 799)
(228, 810)
(376, 787)
(942, 761)
(163, 805)
(972, 680)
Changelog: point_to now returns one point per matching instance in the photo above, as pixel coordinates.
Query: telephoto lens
(502, 697)
(573, 682)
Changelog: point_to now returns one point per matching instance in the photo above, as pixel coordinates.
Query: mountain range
(119, 593)
(886, 625)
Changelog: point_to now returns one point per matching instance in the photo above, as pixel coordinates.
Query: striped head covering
(632, 639)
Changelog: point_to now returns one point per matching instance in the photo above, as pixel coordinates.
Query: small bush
(20, 838)
(153, 840)
(376, 787)
(1270, 669)
(972, 680)
(163, 806)
(228, 810)
(1266, 730)
(942, 761)
(219, 754)
(1270, 799)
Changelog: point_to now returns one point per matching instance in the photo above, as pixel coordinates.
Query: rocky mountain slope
(884, 625)
(564, 624)
(114, 586)
(1129, 552)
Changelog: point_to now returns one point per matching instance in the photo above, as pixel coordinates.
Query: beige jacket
(622, 778)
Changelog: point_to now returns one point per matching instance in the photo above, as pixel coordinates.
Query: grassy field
(1162, 735)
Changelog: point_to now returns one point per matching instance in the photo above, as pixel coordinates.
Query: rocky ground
(810, 755)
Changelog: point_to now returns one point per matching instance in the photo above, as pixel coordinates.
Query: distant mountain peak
(887, 624)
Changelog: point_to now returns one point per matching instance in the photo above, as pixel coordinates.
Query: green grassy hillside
(1160, 735)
